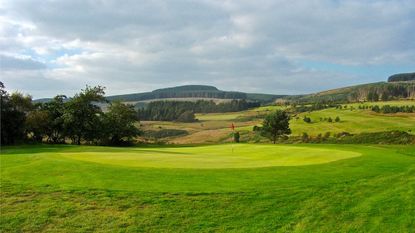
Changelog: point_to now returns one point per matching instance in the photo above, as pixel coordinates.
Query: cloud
(261, 46)
(19, 63)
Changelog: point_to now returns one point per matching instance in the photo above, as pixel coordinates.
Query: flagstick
(233, 130)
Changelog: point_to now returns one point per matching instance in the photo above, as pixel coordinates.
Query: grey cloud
(15, 63)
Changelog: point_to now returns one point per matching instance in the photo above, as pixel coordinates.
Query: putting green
(217, 156)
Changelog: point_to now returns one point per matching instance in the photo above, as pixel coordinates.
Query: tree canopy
(275, 125)
(79, 119)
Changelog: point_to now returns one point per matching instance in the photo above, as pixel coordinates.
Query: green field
(283, 188)
(352, 121)
(214, 127)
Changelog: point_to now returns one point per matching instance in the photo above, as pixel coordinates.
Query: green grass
(356, 121)
(218, 116)
(217, 156)
(52, 188)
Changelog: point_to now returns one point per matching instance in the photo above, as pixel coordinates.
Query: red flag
(233, 126)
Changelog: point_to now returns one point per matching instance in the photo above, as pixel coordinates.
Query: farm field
(283, 188)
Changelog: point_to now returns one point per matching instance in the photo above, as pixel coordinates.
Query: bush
(187, 116)
(164, 133)
(236, 137)
(305, 137)
(389, 137)
(327, 135)
(343, 134)
(307, 119)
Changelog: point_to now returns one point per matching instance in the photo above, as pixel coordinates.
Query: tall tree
(13, 115)
(37, 124)
(82, 115)
(275, 125)
(119, 124)
(56, 109)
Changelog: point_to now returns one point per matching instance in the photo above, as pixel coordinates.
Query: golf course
(220, 188)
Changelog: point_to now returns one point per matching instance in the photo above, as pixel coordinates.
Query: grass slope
(352, 121)
(41, 190)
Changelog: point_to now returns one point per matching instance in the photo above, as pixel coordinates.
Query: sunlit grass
(48, 189)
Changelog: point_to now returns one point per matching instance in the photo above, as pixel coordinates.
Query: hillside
(193, 91)
(365, 92)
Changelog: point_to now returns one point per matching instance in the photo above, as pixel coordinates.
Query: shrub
(305, 137)
(327, 135)
(343, 134)
(319, 137)
(236, 137)
(389, 137)
(164, 133)
(187, 116)
(307, 119)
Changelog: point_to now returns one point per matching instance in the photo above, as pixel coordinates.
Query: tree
(319, 137)
(37, 123)
(305, 137)
(56, 109)
(327, 135)
(187, 116)
(385, 96)
(236, 137)
(13, 116)
(372, 96)
(329, 119)
(307, 119)
(276, 125)
(337, 119)
(82, 115)
(119, 124)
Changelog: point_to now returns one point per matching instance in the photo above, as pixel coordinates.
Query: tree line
(315, 107)
(78, 119)
(393, 109)
(183, 111)
(385, 92)
(402, 77)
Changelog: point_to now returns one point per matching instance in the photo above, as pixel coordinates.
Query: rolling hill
(188, 93)
(398, 86)
(193, 91)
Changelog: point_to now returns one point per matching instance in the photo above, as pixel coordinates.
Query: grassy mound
(218, 156)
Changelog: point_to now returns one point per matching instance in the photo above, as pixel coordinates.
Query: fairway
(217, 156)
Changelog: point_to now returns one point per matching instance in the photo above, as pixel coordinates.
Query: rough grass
(42, 190)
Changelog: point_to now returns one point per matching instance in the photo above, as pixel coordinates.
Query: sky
(55, 47)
